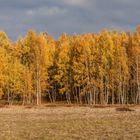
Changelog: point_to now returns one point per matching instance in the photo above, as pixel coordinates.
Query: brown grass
(69, 123)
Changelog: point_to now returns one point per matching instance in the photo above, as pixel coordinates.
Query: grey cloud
(57, 16)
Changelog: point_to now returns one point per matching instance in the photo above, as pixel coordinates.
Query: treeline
(101, 68)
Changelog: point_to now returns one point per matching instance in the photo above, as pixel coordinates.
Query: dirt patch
(124, 109)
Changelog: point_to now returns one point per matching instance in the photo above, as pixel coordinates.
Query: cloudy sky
(70, 16)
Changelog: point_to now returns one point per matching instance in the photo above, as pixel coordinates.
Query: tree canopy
(101, 68)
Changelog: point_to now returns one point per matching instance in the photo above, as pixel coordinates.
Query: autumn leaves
(100, 68)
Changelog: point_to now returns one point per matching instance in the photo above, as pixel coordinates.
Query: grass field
(69, 123)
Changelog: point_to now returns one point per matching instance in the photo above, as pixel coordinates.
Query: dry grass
(68, 123)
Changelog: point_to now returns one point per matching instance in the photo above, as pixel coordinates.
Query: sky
(70, 16)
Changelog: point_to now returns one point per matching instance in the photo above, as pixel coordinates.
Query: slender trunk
(38, 85)
(94, 95)
(112, 96)
(8, 95)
